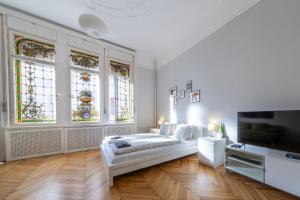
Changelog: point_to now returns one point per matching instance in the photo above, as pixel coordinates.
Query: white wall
(145, 88)
(252, 63)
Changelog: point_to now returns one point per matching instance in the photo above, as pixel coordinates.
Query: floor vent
(118, 130)
(77, 139)
(32, 143)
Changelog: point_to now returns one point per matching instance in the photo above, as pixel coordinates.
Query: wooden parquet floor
(80, 175)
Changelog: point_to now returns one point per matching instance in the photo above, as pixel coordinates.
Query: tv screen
(272, 129)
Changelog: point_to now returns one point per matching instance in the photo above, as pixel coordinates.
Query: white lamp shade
(92, 25)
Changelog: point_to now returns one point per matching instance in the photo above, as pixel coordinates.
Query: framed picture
(181, 94)
(194, 96)
(173, 91)
(175, 101)
(189, 86)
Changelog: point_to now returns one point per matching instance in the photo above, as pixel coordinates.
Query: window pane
(85, 96)
(112, 97)
(84, 60)
(34, 49)
(34, 92)
(122, 99)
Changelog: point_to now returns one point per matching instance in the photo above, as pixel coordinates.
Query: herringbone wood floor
(80, 176)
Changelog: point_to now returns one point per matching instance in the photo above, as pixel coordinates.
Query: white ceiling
(159, 30)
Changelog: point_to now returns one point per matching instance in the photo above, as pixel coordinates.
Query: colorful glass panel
(84, 60)
(119, 98)
(122, 99)
(85, 96)
(120, 69)
(34, 48)
(119, 92)
(35, 92)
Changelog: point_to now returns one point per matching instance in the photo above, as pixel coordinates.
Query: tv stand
(245, 163)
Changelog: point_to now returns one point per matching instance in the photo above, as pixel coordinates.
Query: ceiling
(159, 30)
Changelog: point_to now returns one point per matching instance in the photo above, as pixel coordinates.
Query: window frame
(97, 72)
(61, 65)
(131, 91)
(11, 74)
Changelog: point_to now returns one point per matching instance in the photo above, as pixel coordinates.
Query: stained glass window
(85, 88)
(34, 48)
(119, 92)
(84, 60)
(34, 81)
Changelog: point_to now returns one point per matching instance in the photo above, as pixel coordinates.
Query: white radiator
(77, 139)
(32, 143)
(118, 130)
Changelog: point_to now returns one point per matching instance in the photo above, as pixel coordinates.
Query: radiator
(77, 139)
(32, 143)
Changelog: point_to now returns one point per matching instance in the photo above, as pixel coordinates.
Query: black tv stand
(295, 156)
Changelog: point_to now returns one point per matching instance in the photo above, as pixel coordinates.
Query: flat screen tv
(272, 129)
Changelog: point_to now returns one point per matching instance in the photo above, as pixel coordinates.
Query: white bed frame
(113, 170)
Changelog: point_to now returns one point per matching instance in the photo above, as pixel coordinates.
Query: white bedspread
(140, 142)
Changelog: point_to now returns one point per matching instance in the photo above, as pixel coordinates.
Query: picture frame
(181, 94)
(189, 86)
(194, 96)
(175, 101)
(173, 91)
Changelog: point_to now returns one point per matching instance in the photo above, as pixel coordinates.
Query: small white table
(211, 151)
(155, 130)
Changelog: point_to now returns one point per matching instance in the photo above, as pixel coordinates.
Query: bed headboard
(199, 131)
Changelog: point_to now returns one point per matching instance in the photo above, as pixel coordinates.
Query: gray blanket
(121, 144)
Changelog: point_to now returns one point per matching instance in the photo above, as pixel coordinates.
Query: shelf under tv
(245, 163)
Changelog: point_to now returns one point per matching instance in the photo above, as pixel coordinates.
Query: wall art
(189, 86)
(194, 96)
(173, 91)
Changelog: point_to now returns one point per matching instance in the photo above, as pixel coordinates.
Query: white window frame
(12, 57)
(131, 88)
(99, 73)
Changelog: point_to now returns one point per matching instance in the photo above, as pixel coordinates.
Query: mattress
(139, 142)
(185, 145)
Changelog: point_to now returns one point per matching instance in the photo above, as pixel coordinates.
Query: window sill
(73, 125)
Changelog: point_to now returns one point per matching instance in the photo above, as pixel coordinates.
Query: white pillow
(172, 129)
(165, 129)
(182, 132)
(191, 133)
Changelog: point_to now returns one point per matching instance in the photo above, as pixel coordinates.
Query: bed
(147, 149)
